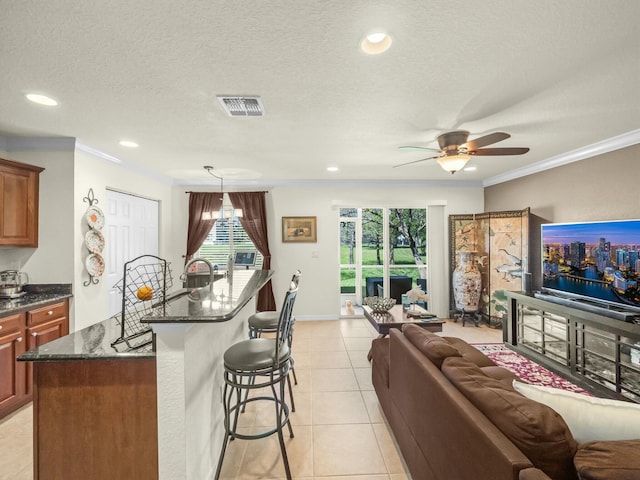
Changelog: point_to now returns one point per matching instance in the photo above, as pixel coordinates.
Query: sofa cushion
(470, 352)
(615, 460)
(589, 418)
(505, 376)
(435, 348)
(539, 432)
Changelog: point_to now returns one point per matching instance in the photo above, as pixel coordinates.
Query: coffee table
(396, 318)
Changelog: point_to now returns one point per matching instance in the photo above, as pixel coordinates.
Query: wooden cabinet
(21, 332)
(44, 325)
(103, 412)
(12, 376)
(19, 184)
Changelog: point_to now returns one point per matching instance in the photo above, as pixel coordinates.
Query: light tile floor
(340, 431)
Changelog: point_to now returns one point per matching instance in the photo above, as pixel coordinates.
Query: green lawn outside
(401, 256)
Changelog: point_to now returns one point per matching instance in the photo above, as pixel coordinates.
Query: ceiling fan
(456, 150)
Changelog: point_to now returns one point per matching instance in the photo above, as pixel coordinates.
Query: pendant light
(224, 212)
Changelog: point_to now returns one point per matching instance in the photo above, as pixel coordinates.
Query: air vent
(242, 106)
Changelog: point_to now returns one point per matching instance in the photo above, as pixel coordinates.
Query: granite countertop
(91, 343)
(219, 303)
(200, 305)
(35, 296)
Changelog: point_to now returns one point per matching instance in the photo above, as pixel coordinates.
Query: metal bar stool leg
(280, 414)
(226, 402)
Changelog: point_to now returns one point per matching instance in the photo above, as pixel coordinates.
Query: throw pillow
(589, 418)
(435, 348)
(538, 431)
(616, 460)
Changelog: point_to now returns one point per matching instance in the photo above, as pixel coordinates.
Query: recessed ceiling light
(128, 144)
(470, 169)
(332, 169)
(376, 42)
(41, 99)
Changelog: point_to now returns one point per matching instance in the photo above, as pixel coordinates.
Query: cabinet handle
(19, 339)
(50, 312)
(34, 334)
(0, 327)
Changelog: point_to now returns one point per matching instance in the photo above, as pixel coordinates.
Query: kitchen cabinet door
(19, 184)
(12, 344)
(37, 336)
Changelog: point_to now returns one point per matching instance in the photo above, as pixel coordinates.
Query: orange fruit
(145, 293)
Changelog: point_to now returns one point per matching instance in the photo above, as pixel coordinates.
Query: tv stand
(601, 308)
(573, 338)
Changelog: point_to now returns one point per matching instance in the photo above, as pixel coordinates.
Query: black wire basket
(143, 286)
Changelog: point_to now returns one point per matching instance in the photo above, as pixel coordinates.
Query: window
(382, 251)
(225, 238)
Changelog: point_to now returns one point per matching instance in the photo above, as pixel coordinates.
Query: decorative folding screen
(500, 241)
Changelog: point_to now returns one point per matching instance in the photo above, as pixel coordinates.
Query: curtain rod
(259, 191)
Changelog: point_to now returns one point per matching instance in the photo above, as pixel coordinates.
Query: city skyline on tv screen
(593, 259)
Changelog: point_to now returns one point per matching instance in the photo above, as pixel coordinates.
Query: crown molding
(353, 183)
(598, 148)
(94, 152)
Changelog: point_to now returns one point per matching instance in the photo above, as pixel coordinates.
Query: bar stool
(267, 322)
(254, 364)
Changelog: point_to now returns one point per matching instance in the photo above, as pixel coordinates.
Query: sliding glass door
(382, 252)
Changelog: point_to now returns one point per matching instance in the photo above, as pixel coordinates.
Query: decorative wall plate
(94, 240)
(95, 265)
(95, 217)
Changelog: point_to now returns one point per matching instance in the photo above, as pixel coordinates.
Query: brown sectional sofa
(456, 416)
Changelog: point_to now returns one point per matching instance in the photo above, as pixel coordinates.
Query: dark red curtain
(254, 222)
(202, 205)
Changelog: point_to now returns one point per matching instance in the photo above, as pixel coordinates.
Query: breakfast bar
(153, 412)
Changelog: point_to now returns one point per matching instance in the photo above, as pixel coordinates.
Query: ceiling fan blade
(412, 148)
(415, 161)
(487, 140)
(499, 151)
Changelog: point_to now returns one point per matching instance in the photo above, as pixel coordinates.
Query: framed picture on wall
(299, 229)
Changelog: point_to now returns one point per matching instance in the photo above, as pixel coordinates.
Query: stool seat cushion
(264, 320)
(254, 354)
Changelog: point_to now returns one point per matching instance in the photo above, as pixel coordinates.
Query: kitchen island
(154, 412)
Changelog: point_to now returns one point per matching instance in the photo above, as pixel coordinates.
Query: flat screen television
(593, 260)
(244, 259)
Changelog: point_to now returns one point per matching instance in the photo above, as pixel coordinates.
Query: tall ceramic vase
(467, 283)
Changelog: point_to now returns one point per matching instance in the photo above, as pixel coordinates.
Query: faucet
(194, 260)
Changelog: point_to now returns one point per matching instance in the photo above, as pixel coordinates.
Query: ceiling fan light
(453, 163)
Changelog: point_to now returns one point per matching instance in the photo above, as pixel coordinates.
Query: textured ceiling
(556, 75)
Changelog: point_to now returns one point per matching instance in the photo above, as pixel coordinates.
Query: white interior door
(132, 230)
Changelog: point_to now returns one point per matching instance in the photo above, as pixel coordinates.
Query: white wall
(319, 295)
(52, 261)
(100, 175)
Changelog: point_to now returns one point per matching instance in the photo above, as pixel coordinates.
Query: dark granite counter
(202, 305)
(90, 343)
(219, 303)
(35, 296)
